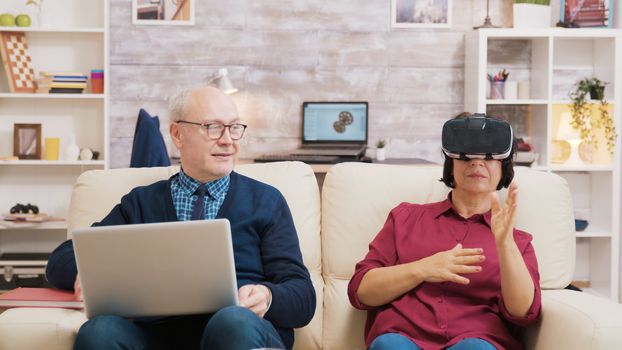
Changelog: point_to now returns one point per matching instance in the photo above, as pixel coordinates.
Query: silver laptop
(334, 128)
(172, 268)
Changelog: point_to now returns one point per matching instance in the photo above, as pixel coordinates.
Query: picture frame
(590, 13)
(163, 12)
(27, 141)
(421, 13)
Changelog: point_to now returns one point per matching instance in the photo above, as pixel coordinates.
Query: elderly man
(275, 291)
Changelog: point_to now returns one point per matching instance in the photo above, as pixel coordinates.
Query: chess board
(17, 62)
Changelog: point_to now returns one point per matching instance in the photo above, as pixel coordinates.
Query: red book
(40, 297)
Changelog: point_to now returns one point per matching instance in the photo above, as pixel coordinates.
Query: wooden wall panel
(281, 53)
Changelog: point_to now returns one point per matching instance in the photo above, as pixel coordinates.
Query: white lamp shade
(565, 131)
(224, 83)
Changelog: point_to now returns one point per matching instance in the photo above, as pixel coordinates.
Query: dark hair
(507, 171)
(507, 165)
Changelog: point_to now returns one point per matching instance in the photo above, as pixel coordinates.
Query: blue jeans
(233, 327)
(395, 341)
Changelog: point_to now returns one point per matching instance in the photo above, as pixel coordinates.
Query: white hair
(178, 105)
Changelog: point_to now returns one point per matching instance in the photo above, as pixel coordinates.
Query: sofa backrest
(357, 197)
(96, 192)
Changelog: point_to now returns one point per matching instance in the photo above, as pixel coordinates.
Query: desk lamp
(223, 82)
(487, 21)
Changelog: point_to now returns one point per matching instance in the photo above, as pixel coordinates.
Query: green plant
(535, 2)
(582, 118)
(381, 143)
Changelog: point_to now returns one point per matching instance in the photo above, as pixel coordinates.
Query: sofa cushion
(96, 192)
(295, 180)
(298, 184)
(357, 197)
(39, 328)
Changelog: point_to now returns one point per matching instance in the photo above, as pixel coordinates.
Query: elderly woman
(454, 274)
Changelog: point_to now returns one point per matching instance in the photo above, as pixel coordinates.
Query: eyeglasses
(215, 131)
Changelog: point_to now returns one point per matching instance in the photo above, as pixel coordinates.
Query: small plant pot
(381, 154)
(531, 16)
(597, 92)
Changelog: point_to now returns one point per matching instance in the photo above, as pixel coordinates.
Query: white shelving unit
(551, 60)
(73, 37)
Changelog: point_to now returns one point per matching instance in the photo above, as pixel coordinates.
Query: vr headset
(477, 137)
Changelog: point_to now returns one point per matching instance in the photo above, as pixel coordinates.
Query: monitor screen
(341, 122)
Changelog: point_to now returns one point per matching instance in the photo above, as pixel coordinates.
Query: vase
(43, 14)
(380, 154)
(72, 150)
(531, 16)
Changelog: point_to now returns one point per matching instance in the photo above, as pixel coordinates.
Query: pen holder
(497, 90)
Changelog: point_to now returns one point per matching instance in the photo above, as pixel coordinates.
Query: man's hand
(77, 288)
(255, 297)
(447, 266)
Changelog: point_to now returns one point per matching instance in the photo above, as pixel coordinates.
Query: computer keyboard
(306, 158)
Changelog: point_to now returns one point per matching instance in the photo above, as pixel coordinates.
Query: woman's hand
(448, 266)
(382, 285)
(502, 219)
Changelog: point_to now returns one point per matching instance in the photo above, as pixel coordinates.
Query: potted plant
(582, 118)
(532, 13)
(380, 150)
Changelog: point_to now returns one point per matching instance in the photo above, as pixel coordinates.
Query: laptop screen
(334, 123)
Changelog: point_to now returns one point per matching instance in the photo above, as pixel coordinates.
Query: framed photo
(163, 12)
(421, 13)
(587, 13)
(27, 141)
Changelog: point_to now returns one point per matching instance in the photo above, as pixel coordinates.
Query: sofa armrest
(39, 328)
(574, 320)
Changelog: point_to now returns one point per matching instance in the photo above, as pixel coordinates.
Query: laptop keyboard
(307, 158)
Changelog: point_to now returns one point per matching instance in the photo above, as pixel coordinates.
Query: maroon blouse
(438, 315)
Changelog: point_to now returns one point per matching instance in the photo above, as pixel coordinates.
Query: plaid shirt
(183, 188)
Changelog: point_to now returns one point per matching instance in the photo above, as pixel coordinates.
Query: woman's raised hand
(502, 219)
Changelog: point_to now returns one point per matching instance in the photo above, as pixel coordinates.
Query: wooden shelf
(61, 30)
(51, 225)
(590, 168)
(516, 102)
(53, 162)
(530, 33)
(593, 233)
(53, 96)
(569, 102)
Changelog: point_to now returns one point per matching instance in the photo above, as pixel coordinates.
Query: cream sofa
(355, 201)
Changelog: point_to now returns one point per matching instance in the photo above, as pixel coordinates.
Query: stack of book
(62, 82)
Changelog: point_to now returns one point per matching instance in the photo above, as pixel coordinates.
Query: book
(62, 74)
(68, 85)
(65, 91)
(40, 297)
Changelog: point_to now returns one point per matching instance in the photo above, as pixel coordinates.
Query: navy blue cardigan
(265, 245)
